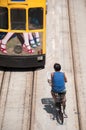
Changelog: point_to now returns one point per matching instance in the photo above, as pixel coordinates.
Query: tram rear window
(3, 18)
(18, 19)
(35, 16)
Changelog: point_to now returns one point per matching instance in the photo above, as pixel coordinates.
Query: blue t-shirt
(58, 82)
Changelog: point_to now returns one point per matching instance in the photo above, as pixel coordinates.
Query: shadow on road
(49, 106)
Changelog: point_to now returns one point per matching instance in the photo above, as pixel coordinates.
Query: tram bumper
(34, 61)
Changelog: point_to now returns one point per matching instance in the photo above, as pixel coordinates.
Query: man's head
(57, 67)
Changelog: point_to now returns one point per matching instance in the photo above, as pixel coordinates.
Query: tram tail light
(40, 51)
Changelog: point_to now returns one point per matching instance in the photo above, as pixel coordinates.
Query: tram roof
(25, 2)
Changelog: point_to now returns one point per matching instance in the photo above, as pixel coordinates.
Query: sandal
(32, 43)
(30, 51)
(37, 41)
(3, 50)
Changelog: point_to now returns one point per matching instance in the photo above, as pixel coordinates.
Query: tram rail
(7, 103)
(73, 60)
(76, 64)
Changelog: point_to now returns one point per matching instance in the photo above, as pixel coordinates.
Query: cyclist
(58, 80)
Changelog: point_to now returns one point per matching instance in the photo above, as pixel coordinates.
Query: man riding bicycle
(58, 90)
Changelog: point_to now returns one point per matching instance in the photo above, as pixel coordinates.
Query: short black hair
(57, 67)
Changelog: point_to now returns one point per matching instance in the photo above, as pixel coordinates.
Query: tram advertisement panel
(23, 42)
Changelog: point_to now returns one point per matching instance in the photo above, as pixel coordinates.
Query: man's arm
(65, 78)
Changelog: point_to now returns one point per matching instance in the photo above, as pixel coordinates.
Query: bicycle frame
(59, 108)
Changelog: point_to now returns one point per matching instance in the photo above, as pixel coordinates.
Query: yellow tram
(22, 33)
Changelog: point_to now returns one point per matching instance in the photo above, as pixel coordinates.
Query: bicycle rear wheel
(59, 114)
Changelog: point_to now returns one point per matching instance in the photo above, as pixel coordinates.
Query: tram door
(22, 33)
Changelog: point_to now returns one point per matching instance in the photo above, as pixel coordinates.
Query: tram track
(33, 101)
(30, 94)
(75, 62)
(16, 102)
(3, 94)
(1, 80)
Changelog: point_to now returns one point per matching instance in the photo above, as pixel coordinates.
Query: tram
(22, 33)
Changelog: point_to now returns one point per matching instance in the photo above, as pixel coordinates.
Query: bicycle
(59, 104)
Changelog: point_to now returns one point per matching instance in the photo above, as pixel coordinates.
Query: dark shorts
(59, 97)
